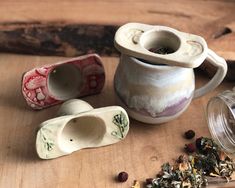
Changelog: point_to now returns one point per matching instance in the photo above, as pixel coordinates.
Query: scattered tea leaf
(193, 171)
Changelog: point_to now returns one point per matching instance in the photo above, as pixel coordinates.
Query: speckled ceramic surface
(81, 129)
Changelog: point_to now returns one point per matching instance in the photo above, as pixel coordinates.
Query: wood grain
(206, 18)
(57, 39)
(140, 154)
(52, 28)
(146, 147)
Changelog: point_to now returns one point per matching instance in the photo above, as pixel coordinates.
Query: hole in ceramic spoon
(86, 131)
(64, 81)
(161, 42)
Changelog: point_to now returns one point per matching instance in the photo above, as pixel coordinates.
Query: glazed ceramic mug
(156, 87)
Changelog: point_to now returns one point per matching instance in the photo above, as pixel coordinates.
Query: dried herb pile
(192, 171)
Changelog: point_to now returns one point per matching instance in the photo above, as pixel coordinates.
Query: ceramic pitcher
(155, 80)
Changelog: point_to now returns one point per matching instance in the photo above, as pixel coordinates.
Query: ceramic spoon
(73, 107)
(186, 50)
(53, 84)
(66, 134)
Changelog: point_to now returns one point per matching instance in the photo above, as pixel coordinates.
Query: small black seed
(189, 134)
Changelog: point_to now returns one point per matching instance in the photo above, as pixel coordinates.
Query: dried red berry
(122, 177)
(149, 181)
(189, 134)
(190, 148)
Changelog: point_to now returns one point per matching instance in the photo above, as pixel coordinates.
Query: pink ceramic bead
(52, 84)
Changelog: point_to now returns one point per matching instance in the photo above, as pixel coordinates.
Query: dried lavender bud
(136, 184)
(189, 134)
(190, 148)
(122, 177)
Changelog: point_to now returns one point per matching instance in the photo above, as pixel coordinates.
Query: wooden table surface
(146, 147)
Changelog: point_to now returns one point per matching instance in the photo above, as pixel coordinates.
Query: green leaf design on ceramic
(121, 121)
(48, 143)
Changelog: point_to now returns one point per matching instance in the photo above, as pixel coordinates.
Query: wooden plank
(57, 39)
(140, 154)
(146, 147)
(205, 18)
(46, 29)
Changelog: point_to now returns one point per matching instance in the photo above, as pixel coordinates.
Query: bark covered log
(64, 39)
(57, 39)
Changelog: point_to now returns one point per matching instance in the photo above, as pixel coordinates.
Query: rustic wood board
(212, 19)
(146, 147)
(52, 28)
(140, 154)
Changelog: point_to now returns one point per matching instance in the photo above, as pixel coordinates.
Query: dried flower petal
(183, 166)
(193, 171)
(214, 175)
(136, 184)
(222, 155)
(186, 184)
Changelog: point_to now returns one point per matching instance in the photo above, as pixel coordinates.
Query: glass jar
(221, 120)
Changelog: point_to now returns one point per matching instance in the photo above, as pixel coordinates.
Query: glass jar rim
(219, 111)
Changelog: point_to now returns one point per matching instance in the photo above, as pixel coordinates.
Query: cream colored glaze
(73, 106)
(82, 132)
(66, 134)
(146, 118)
(64, 81)
(147, 85)
(189, 50)
(152, 87)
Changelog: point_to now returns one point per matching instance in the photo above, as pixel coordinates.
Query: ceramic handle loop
(221, 65)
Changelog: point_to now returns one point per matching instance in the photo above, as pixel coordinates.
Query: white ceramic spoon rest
(66, 134)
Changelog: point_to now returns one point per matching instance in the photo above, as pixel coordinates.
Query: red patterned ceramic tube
(52, 84)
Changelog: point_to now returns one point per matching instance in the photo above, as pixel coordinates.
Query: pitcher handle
(221, 65)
